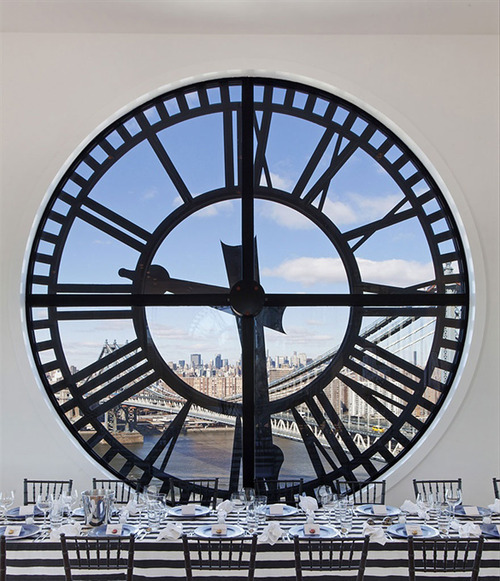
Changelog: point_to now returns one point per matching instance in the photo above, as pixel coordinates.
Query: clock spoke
(165, 444)
(340, 157)
(395, 216)
(166, 162)
(312, 444)
(236, 455)
(113, 224)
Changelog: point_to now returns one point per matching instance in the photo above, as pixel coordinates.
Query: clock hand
(159, 281)
(268, 456)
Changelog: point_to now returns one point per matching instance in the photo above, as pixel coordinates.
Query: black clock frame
(246, 297)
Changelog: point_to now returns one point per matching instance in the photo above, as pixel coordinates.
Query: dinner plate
(460, 511)
(399, 530)
(205, 531)
(490, 530)
(13, 513)
(367, 510)
(100, 531)
(25, 532)
(176, 511)
(287, 511)
(325, 532)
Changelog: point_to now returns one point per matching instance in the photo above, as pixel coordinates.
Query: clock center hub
(246, 298)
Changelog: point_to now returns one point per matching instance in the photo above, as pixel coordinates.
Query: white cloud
(150, 193)
(285, 216)
(225, 207)
(310, 271)
(339, 212)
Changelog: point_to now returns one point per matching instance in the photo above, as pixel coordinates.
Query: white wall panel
(440, 93)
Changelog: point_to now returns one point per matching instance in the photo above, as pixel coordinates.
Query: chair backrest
(279, 490)
(496, 487)
(122, 490)
(33, 488)
(361, 492)
(109, 554)
(445, 556)
(3, 559)
(204, 491)
(436, 487)
(337, 554)
(228, 554)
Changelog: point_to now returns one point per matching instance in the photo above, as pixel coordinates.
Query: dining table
(37, 555)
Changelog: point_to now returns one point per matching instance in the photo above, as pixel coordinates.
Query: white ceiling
(252, 16)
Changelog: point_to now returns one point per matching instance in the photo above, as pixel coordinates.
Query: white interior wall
(439, 92)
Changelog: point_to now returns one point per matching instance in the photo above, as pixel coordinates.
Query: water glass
(346, 518)
(259, 504)
(443, 518)
(252, 519)
(155, 512)
(56, 514)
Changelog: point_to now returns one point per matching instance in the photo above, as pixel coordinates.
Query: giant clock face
(253, 260)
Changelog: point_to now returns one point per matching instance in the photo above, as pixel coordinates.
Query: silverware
(42, 535)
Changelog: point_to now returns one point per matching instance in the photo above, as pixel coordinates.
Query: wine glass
(44, 502)
(453, 497)
(238, 499)
(426, 503)
(6, 501)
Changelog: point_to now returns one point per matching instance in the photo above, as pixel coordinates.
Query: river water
(207, 454)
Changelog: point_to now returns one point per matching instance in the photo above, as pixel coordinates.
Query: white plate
(205, 531)
(399, 530)
(490, 530)
(25, 532)
(325, 532)
(199, 510)
(13, 513)
(101, 531)
(367, 510)
(287, 511)
(460, 511)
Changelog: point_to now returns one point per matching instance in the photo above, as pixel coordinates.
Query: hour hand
(158, 281)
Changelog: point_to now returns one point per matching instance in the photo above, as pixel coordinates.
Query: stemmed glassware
(6, 501)
(44, 502)
(453, 497)
(238, 499)
(426, 503)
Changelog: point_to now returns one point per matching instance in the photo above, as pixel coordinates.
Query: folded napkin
(123, 515)
(412, 508)
(495, 507)
(70, 530)
(308, 504)
(468, 529)
(171, 532)
(225, 506)
(375, 533)
(132, 507)
(271, 533)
